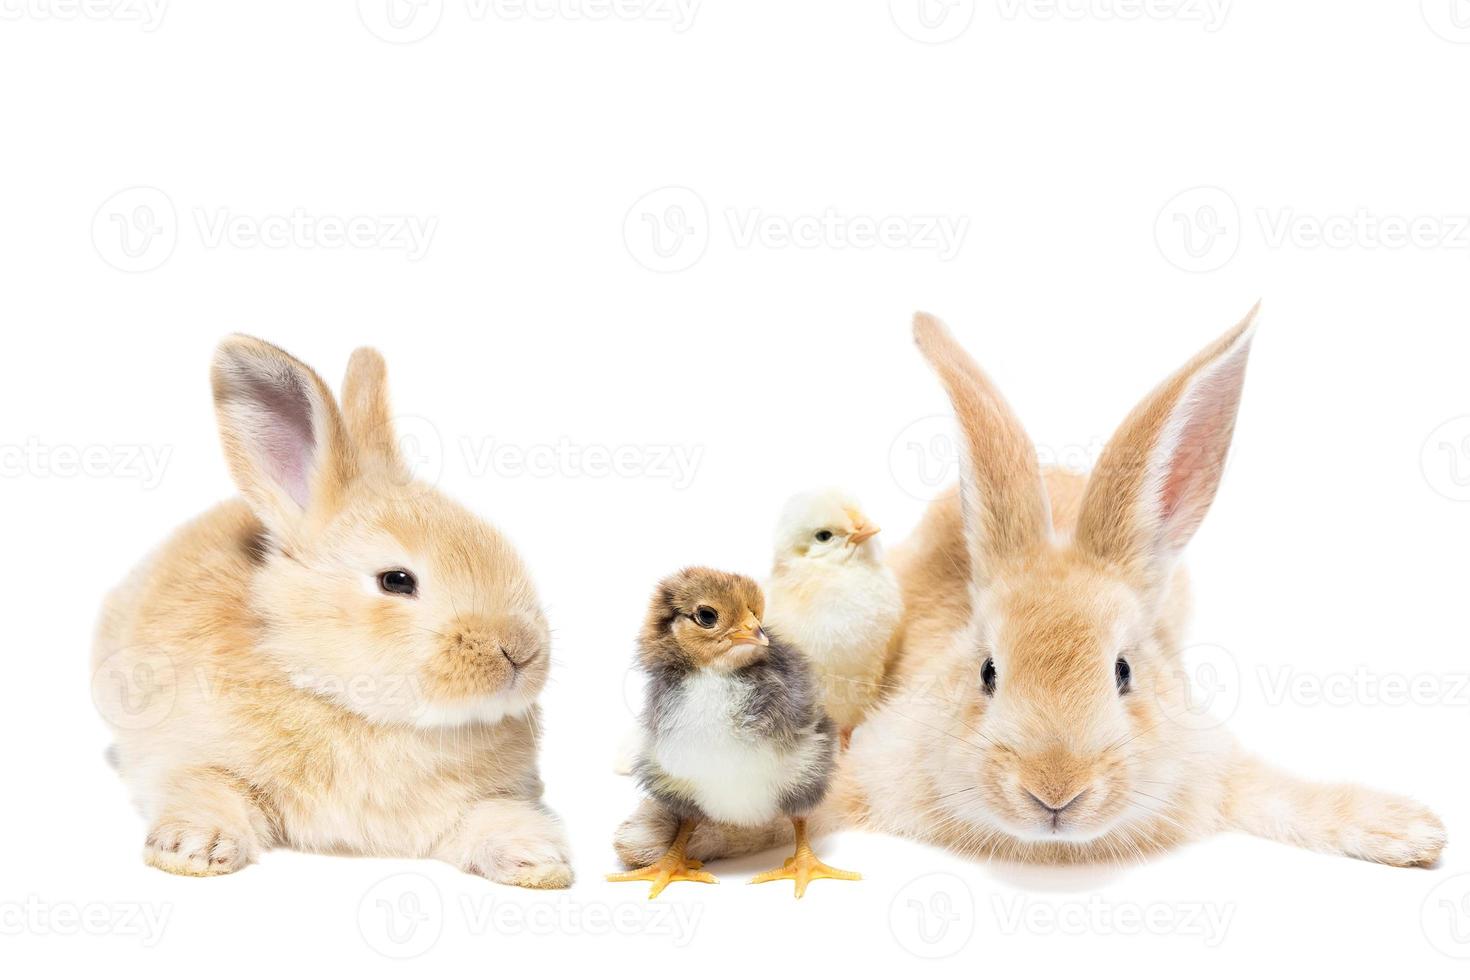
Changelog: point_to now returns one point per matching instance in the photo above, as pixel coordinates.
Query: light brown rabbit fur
(267, 690)
(1054, 577)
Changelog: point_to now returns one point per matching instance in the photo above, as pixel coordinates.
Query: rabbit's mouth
(1041, 810)
(1063, 816)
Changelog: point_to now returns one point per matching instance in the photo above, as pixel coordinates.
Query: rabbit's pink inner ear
(283, 434)
(1159, 474)
(1198, 442)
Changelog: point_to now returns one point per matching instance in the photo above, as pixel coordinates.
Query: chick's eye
(398, 582)
(987, 675)
(706, 617)
(1124, 674)
(824, 535)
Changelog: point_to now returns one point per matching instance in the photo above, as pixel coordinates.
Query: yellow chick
(831, 595)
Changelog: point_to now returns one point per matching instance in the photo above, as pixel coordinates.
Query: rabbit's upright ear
(1006, 511)
(1159, 473)
(283, 436)
(368, 416)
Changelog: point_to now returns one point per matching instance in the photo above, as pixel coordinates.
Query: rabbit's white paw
(513, 842)
(1392, 830)
(183, 848)
(525, 860)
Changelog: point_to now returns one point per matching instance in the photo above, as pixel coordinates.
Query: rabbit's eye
(706, 617)
(1124, 674)
(987, 675)
(824, 535)
(398, 582)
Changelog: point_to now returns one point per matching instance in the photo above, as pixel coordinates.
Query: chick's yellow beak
(863, 533)
(750, 632)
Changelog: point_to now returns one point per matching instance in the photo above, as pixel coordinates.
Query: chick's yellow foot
(673, 866)
(803, 867)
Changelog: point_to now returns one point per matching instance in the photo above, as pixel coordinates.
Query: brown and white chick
(831, 594)
(733, 728)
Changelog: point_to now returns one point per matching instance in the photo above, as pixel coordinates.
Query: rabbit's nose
(1053, 802)
(491, 640)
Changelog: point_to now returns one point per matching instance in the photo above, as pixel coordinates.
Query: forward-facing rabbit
(342, 661)
(1040, 712)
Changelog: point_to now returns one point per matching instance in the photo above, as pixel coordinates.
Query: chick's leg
(803, 867)
(675, 865)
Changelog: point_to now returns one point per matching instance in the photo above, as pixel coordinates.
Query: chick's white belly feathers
(733, 774)
(844, 622)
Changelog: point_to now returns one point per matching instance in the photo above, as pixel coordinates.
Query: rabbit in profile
(1038, 712)
(341, 660)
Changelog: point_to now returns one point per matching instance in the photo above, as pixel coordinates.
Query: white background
(1067, 143)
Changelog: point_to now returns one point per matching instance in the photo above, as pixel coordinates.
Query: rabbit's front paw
(199, 850)
(526, 861)
(1393, 830)
(513, 842)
